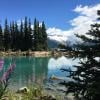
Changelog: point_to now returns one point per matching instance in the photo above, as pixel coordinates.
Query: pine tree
(86, 78)
(17, 37)
(6, 36)
(36, 31)
(11, 33)
(26, 34)
(21, 36)
(44, 37)
(40, 36)
(13, 36)
(1, 38)
(30, 41)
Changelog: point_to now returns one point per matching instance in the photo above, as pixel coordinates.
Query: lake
(38, 70)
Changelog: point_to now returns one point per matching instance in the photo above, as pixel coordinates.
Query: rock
(23, 90)
(52, 97)
(56, 78)
(48, 97)
(53, 77)
(5, 98)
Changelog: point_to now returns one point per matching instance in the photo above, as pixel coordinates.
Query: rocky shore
(26, 53)
(33, 53)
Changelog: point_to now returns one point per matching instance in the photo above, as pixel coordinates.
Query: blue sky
(55, 13)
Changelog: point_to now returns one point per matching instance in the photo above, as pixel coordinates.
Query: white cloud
(19, 23)
(80, 24)
(87, 16)
(56, 31)
(90, 11)
(61, 62)
(32, 26)
(59, 35)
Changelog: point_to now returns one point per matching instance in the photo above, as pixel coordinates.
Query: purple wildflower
(7, 74)
(1, 64)
(5, 77)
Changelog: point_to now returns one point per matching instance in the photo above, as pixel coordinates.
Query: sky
(63, 17)
(55, 13)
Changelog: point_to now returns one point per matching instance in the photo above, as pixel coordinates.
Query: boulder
(23, 90)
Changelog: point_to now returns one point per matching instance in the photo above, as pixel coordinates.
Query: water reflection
(30, 70)
(54, 66)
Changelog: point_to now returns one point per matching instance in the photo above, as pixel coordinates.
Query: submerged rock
(56, 78)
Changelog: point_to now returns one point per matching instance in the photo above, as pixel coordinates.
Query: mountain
(55, 40)
(52, 43)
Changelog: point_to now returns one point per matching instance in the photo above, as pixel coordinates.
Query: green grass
(34, 93)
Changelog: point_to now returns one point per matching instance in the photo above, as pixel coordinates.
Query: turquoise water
(30, 70)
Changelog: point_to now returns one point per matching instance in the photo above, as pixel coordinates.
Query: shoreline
(26, 53)
(33, 53)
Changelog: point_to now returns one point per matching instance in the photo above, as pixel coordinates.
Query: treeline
(14, 36)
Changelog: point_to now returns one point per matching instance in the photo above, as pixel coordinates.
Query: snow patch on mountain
(58, 35)
(61, 36)
(58, 38)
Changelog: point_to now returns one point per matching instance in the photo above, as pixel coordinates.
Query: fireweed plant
(5, 76)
